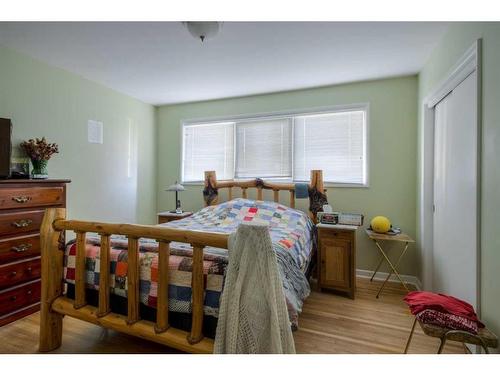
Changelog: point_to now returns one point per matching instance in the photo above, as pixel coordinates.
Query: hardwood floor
(334, 324)
(328, 324)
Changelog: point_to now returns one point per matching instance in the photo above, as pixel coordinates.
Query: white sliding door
(455, 250)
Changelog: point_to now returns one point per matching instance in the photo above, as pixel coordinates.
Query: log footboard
(54, 305)
(172, 337)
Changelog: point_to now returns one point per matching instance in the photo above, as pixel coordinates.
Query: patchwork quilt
(292, 234)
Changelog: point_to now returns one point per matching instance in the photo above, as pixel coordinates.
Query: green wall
(46, 101)
(456, 41)
(392, 150)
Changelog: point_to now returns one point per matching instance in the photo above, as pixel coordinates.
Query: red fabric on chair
(449, 321)
(420, 301)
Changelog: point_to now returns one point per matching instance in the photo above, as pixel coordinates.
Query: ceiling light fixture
(203, 30)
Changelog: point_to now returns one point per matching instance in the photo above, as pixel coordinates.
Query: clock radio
(340, 218)
(328, 217)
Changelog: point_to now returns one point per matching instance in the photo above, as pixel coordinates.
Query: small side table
(401, 237)
(337, 258)
(167, 216)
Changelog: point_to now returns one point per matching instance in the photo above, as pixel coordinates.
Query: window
(333, 142)
(284, 147)
(208, 147)
(264, 149)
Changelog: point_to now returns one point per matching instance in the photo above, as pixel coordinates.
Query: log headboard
(316, 190)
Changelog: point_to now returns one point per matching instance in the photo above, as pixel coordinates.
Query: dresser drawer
(16, 223)
(18, 272)
(32, 196)
(16, 298)
(12, 249)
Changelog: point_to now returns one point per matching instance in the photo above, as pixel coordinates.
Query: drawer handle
(22, 223)
(21, 248)
(21, 199)
(13, 298)
(29, 292)
(13, 273)
(29, 270)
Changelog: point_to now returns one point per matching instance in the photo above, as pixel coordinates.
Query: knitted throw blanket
(253, 316)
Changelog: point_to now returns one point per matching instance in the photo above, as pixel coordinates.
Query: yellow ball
(380, 224)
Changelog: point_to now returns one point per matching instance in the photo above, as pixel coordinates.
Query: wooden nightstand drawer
(167, 216)
(35, 196)
(18, 272)
(334, 233)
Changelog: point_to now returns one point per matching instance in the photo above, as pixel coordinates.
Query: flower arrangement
(39, 151)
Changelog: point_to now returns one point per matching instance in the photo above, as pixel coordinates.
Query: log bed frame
(55, 305)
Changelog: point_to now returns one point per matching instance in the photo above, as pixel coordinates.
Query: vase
(39, 169)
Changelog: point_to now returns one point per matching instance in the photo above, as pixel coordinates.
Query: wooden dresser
(22, 205)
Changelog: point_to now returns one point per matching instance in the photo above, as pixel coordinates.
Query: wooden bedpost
(317, 195)
(317, 180)
(210, 193)
(51, 242)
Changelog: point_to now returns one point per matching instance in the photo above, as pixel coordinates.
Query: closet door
(455, 252)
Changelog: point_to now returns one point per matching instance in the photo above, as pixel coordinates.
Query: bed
(164, 282)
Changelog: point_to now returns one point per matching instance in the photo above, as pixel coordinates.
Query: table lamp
(176, 187)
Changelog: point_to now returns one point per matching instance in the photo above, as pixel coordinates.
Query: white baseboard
(381, 276)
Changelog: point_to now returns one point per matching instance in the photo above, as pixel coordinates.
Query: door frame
(467, 64)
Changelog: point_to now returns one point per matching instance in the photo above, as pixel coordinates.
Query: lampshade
(175, 187)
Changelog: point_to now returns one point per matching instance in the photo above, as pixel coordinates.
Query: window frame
(280, 115)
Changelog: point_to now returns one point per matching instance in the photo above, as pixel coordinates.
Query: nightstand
(165, 217)
(337, 258)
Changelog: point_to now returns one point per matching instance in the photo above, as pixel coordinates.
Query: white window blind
(285, 147)
(264, 148)
(334, 143)
(208, 147)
